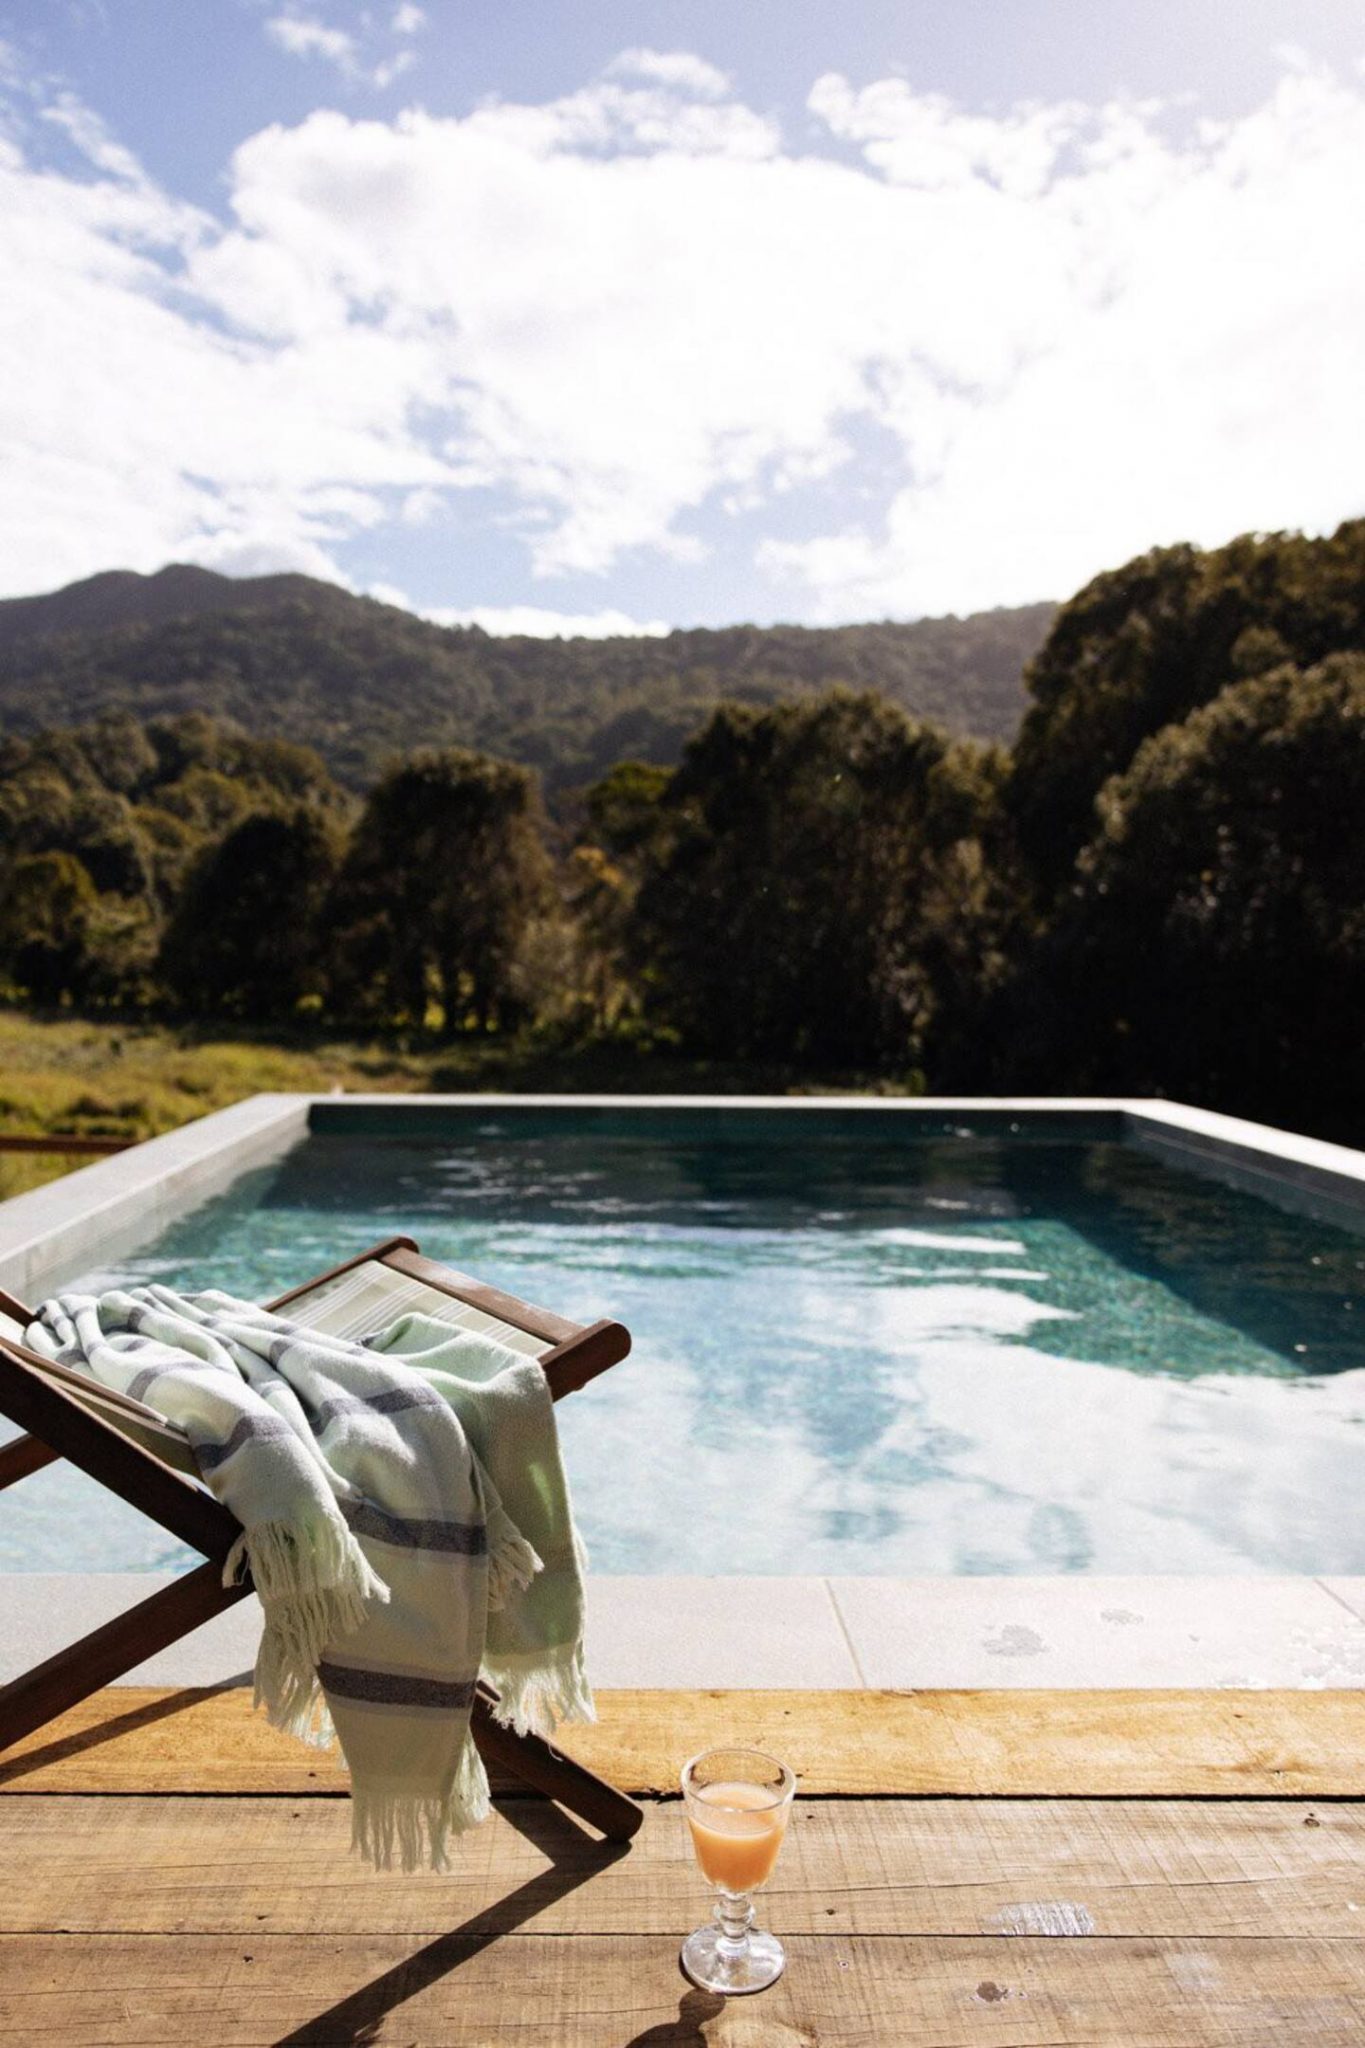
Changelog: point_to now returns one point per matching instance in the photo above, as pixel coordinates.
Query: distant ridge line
(359, 679)
(119, 597)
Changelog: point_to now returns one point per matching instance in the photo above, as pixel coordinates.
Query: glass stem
(734, 1916)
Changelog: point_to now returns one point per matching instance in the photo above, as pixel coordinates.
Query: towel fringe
(536, 1693)
(512, 1561)
(414, 1827)
(314, 1587)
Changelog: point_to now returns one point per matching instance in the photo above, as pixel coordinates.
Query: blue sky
(579, 316)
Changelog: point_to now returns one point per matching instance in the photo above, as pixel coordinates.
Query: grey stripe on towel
(252, 1429)
(394, 1688)
(393, 1401)
(137, 1386)
(407, 1532)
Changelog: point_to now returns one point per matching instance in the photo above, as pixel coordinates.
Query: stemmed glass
(738, 1802)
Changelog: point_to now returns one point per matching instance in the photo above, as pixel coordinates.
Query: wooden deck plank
(976, 1744)
(915, 1867)
(462, 1991)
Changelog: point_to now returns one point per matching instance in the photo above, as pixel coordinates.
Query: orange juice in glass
(738, 1802)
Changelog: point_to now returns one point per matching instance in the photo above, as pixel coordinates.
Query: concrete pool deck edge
(103, 1210)
(838, 1634)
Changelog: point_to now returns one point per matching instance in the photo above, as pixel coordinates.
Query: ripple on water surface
(853, 1354)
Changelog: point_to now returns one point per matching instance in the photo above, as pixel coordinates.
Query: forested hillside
(361, 681)
(1160, 890)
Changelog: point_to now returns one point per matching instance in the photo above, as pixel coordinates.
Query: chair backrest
(353, 1300)
(373, 1288)
(359, 1299)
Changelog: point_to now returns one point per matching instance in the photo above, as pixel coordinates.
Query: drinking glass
(738, 1802)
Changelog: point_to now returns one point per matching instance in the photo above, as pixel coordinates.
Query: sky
(616, 315)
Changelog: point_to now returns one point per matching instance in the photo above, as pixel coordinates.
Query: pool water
(855, 1350)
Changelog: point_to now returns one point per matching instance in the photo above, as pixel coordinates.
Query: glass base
(711, 1968)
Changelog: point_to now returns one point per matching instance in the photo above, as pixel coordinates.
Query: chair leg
(106, 1653)
(531, 1758)
(22, 1455)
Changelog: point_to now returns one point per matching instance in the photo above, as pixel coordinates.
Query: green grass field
(75, 1076)
(70, 1076)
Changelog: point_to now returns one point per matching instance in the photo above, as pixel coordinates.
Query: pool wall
(101, 1211)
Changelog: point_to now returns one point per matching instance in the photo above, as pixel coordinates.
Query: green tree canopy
(783, 904)
(1142, 646)
(446, 872)
(107, 820)
(48, 907)
(1214, 943)
(624, 808)
(363, 681)
(247, 936)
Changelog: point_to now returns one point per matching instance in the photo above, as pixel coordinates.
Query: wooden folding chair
(146, 1460)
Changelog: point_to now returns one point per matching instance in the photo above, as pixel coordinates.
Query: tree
(446, 872)
(365, 682)
(1143, 646)
(1213, 944)
(48, 906)
(625, 816)
(624, 807)
(784, 903)
(246, 938)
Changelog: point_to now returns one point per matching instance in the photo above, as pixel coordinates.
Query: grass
(74, 1075)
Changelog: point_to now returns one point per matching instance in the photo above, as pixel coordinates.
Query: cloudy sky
(585, 314)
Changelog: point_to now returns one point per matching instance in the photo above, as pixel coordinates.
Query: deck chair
(146, 1460)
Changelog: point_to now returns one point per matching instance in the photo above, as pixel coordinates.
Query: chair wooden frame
(144, 1460)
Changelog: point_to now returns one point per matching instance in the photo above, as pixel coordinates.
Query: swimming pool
(859, 1347)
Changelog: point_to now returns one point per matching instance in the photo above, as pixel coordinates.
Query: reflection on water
(854, 1354)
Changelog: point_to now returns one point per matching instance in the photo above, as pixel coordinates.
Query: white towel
(406, 1522)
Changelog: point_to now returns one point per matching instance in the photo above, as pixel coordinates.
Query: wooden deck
(1161, 1870)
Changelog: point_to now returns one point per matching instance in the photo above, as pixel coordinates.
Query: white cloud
(632, 316)
(1176, 357)
(420, 508)
(135, 432)
(547, 625)
(302, 36)
(923, 139)
(89, 135)
(391, 68)
(677, 68)
(531, 619)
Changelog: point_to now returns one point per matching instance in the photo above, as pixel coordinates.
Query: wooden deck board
(865, 1867)
(966, 1744)
(624, 1991)
(1159, 1870)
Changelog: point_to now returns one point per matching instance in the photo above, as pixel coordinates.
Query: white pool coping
(837, 1634)
(99, 1211)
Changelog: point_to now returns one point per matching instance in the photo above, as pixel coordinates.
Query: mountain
(299, 659)
(121, 597)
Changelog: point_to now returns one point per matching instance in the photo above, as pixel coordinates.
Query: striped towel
(405, 1521)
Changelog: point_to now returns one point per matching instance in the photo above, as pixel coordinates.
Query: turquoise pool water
(855, 1350)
